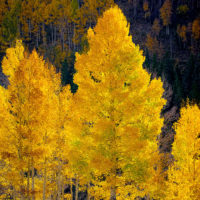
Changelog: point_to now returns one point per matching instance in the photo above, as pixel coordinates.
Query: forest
(100, 99)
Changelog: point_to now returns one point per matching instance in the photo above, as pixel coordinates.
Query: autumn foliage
(165, 14)
(101, 140)
(184, 174)
(32, 133)
(114, 95)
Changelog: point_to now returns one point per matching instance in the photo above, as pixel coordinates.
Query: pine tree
(121, 107)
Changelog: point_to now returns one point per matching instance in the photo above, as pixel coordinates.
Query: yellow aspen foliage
(157, 188)
(165, 14)
(27, 143)
(121, 106)
(12, 60)
(146, 9)
(196, 29)
(25, 18)
(61, 148)
(81, 145)
(182, 9)
(9, 22)
(34, 14)
(87, 16)
(51, 12)
(182, 30)
(156, 27)
(184, 175)
(3, 9)
(145, 6)
(153, 45)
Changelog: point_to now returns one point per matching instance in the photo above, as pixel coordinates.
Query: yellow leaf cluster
(166, 12)
(182, 30)
(153, 45)
(196, 29)
(145, 6)
(156, 27)
(184, 174)
(182, 9)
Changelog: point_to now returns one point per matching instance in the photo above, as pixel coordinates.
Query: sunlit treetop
(184, 174)
(120, 104)
(12, 59)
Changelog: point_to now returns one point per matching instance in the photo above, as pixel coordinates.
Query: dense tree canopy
(101, 137)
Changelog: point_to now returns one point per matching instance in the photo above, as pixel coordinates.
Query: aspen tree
(30, 98)
(153, 45)
(184, 175)
(146, 9)
(196, 29)
(156, 27)
(61, 148)
(165, 14)
(116, 98)
(181, 30)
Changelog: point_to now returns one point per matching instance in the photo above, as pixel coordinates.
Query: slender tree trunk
(62, 37)
(160, 3)
(52, 34)
(33, 183)
(68, 35)
(88, 192)
(71, 185)
(74, 37)
(39, 33)
(62, 188)
(171, 45)
(59, 181)
(167, 30)
(44, 183)
(194, 166)
(19, 28)
(148, 197)
(22, 185)
(14, 194)
(29, 28)
(135, 8)
(112, 193)
(76, 195)
(37, 43)
(55, 36)
(90, 21)
(28, 181)
(44, 34)
(63, 40)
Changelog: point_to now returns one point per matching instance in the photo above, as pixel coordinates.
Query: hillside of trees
(99, 99)
(167, 31)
